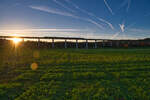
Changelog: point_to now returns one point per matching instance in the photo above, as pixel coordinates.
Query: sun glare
(16, 40)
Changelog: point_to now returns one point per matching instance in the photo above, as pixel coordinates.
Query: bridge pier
(86, 44)
(95, 44)
(38, 42)
(22, 39)
(76, 44)
(103, 43)
(65, 43)
(53, 45)
(111, 44)
(117, 44)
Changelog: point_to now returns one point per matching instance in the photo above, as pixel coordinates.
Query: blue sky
(111, 19)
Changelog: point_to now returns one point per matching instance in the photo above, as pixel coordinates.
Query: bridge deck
(66, 38)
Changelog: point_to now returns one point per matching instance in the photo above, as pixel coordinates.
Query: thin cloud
(148, 14)
(45, 30)
(137, 30)
(109, 8)
(51, 32)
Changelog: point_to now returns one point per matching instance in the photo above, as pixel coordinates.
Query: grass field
(70, 74)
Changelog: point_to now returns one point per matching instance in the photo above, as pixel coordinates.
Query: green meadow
(74, 74)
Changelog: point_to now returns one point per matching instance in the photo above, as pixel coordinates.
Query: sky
(107, 19)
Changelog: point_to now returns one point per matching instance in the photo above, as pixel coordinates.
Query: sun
(16, 40)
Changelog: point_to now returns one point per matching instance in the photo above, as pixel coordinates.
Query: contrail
(98, 25)
(122, 27)
(115, 35)
(108, 7)
(125, 3)
(129, 3)
(89, 20)
(91, 14)
(110, 25)
(53, 11)
(72, 3)
(58, 12)
(61, 4)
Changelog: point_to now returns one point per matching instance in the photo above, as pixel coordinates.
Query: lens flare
(34, 66)
(16, 40)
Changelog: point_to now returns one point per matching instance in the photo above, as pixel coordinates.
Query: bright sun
(16, 40)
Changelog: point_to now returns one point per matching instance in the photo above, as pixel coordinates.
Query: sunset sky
(111, 19)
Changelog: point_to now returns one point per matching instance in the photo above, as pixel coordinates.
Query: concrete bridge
(65, 39)
(76, 41)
